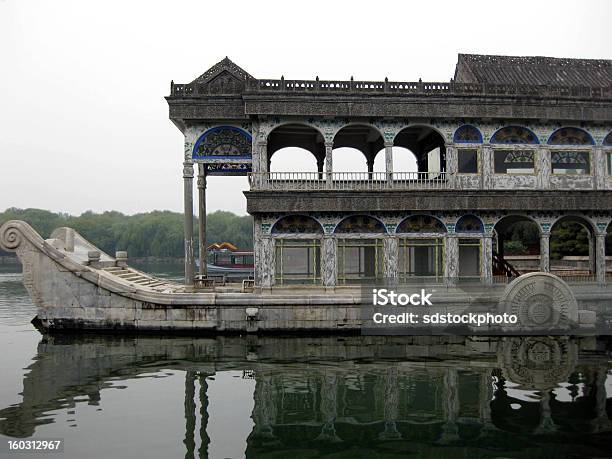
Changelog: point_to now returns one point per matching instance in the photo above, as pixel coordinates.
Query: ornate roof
(533, 70)
(225, 65)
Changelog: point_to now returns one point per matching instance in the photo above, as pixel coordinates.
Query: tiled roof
(533, 70)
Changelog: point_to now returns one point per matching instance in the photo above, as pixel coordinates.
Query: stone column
(452, 165)
(543, 168)
(600, 257)
(262, 148)
(267, 266)
(391, 258)
(451, 257)
(202, 218)
(389, 161)
(545, 252)
(487, 170)
(487, 259)
(188, 197)
(330, 261)
(599, 168)
(328, 163)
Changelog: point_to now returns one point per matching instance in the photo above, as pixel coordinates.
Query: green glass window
(513, 161)
(421, 258)
(571, 162)
(360, 260)
(469, 257)
(298, 261)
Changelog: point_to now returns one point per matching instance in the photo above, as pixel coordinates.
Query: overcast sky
(83, 121)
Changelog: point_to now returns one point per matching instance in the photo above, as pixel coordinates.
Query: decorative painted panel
(469, 224)
(223, 142)
(514, 135)
(467, 134)
(297, 224)
(360, 224)
(421, 224)
(570, 136)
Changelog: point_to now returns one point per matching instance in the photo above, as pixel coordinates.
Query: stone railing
(267, 86)
(266, 181)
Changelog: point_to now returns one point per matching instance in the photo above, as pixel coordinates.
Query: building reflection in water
(318, 396)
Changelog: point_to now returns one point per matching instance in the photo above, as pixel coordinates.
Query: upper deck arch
(514, 134)
(570, 135)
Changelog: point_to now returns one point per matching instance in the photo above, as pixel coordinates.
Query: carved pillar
(599, 168)
(600, 258)
(267, 266)
(391, 257)
(543, 168)
(188, 197)
(451, 257)
(486, 181)
(262, 147)
(202, 218)
(330, 261)
(452, 165)
(328, 163)
(487, 259)
(545, 252)
(389, 161)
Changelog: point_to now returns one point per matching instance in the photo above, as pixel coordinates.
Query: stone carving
(542, 302)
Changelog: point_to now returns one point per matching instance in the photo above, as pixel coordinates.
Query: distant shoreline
(13, 260)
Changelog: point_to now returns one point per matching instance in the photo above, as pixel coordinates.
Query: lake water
(298, 397)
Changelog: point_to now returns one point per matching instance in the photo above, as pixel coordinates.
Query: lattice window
(571, 162)
(298, 261)
(513, 161)
(360, 260)
(469, 258)
(421, 258)
(467, 161)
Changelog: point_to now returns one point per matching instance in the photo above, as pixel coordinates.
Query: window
(469, 257)
(513, 162)
(609, 163)
(468, 161)
(360, 260)
(298, 261)
(571, 162)
(421, 258)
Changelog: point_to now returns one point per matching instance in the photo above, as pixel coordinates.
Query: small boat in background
(225, 259)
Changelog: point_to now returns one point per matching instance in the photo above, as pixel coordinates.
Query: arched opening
(298, 259)
(516, 246)
(295, 148)
(470, 228)
(421, 248)
(518, 157)
(360, 249)
(404, 161)
(427, 146)
(293, 159)
(355, 149)
(572, 247)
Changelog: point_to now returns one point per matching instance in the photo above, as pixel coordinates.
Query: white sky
(83, 122)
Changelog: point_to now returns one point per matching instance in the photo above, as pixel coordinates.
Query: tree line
(152, 234)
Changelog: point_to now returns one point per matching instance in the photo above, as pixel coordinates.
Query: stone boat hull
(73, 290)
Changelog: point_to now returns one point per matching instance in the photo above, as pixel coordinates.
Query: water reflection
(347, 397)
